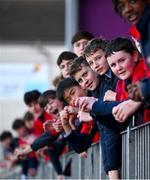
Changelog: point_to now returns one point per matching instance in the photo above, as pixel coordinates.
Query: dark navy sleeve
(102, 108)
(44, 140)
(78, 141)
(146, 89)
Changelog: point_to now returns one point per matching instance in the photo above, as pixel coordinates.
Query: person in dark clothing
(88, 79)
(68, 90)
(126, 64)
(138, 14)
(100, 110)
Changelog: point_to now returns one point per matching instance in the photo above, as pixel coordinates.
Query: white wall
(11, 108)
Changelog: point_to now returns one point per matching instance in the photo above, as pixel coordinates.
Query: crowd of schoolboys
(102, 84)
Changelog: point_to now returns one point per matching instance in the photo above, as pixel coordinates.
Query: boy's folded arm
(125, 109)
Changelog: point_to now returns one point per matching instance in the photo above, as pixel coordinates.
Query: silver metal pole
(71, 21)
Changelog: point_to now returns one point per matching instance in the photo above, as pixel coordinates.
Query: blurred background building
(33, 33)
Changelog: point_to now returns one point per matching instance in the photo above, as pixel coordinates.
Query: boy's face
(79, 46)
(29, 124)
(7, 142)
(65, 67)
(72, 93)
(35, 108)
(123, 64)
(98, 62)
(21, 131)
(53, 107)
(131, 10)
(87, 78)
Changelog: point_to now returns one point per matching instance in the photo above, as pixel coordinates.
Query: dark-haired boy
(64, 61)
(126, 64)
(95, 56)
(68, 90)
(79, 41)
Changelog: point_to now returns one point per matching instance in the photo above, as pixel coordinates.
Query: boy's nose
(33, 108)
(66, 68)
(85, 81)
(95, 65)
(82, 46)
(118, 67)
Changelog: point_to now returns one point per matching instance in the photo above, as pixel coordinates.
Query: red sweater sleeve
(86, 127)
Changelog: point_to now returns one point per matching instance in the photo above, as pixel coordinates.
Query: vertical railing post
(130, 151)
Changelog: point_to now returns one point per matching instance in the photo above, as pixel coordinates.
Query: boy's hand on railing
(84, 116)
(48, 126)
(58, 126)
(41, 153)
(64, 117)
(84, 154)
(21, 152)
(72, 115)
(71, 110)
(85, 103)
(110, 96)
(122, 111)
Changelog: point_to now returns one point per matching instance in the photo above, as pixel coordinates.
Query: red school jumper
(141, 72)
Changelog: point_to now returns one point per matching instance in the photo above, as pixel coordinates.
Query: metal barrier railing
(135, 158)
(86, 168)
(136, 152)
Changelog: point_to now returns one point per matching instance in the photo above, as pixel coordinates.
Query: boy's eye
(77, 45)
(62, 67)
(121, 7)
(50, 102)
(68, 99)
(98, 57)
(85, 74)
(69, 63)
(72, 92)
(85, 43)
(90, 63)
(113, 65)
(121, 60)
(79, 81)
(132, 1)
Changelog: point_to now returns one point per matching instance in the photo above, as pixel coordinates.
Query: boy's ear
(73, 49)
(136, 56)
